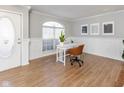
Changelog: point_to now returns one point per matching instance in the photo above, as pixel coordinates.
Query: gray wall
(103, 45)
(37, 19)
(117, 17)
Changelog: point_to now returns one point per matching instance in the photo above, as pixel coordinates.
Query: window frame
(53, 28)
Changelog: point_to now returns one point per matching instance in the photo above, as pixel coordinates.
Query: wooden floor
(120, 81)
(95, 72)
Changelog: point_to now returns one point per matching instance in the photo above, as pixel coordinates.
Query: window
(50, 33)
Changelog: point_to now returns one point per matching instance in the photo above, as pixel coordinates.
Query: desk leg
(64, 56)
(57, 55)
(61, 55)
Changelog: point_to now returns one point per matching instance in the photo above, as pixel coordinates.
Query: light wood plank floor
(95, 72)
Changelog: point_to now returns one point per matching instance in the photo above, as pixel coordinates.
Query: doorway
(10, 40)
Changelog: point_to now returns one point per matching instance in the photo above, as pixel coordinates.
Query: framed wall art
(84, 29)
(108, 28)
(94, 29)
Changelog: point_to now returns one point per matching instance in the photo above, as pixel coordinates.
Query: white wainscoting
(36, 49)
(106, 47)
(25, 52)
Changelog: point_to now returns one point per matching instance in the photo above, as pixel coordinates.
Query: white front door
(10, 40)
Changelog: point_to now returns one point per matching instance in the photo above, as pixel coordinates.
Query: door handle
(19, 42)
(6, 42)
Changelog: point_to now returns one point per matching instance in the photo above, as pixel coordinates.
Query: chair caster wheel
(71, 63)
(82, 62)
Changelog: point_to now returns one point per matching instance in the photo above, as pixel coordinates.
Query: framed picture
(94, 29)
(84, 29)
(108, 28)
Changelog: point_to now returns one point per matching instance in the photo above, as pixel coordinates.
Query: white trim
(97, 15)
(110, 22)
(9, 11)
(95, 54)
(87, 29)
(43, 55)
(94, 24)
(27, 6)
(53, 27)
(45, 14)
(78, 19)
(21, 23)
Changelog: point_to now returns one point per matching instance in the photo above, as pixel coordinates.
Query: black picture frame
(84, 29)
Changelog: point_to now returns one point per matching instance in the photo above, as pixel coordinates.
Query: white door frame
(21, 29)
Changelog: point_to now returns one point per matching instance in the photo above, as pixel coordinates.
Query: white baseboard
(106, 47)
(36, 49)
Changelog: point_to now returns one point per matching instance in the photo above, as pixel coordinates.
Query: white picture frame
(84, 29)
(94, 29)
(108, 28)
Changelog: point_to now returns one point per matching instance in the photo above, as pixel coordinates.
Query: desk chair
(75, 53)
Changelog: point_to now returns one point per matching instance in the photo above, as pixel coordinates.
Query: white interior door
(10, 40)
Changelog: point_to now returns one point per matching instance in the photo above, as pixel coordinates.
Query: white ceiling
(76, 11)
